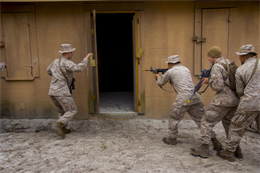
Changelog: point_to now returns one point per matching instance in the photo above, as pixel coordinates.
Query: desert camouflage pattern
(196, 112)
(59, 90)
(224, 103)
(250, 92)
(214, 115)
(241, 121)
(59, 86)
(66, 107)
(180, 78)
(66, 48)
(249, 106)
(2, 66)
(173, 59)
(219, 82)
(245, 49)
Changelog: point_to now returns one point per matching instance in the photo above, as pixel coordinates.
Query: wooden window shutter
(19, 35)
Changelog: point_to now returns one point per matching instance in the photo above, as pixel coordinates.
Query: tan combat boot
(238, 153)
(169, 141)
(65, 130)
(202, 151)
(227, 155)
(58, 129)
(217, 145)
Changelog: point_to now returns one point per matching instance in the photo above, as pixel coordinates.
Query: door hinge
(199, 39)
(92, 31)
(139, 53)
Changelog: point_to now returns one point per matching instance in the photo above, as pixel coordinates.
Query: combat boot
(227, 155)
(169, 141)
(58, 129)
(238, 153)
(217, 145)
(202, 151)
(65, 130)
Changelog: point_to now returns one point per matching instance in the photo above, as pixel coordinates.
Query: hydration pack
(231, 69)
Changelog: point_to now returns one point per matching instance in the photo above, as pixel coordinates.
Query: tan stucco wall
(166, 28)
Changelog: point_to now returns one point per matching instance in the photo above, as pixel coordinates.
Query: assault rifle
(204, 74)
(72, 85)
(156, 71)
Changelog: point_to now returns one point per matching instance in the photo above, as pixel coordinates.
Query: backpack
(231, 69)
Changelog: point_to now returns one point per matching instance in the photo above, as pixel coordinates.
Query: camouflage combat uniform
(2, 66)
(59, 90)
(180, 78)
(249, 106)
(223, 105)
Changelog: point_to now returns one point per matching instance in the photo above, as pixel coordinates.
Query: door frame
(94, 94)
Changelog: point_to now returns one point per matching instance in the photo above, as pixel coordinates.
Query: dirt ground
(114, 146)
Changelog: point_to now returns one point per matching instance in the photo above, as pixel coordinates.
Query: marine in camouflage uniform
(249, 106)
(222, 107)
(180, 79)
(59, 87)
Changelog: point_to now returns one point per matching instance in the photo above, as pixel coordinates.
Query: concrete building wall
(165, 28)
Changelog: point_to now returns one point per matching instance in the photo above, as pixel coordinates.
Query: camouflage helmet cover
(246, 49)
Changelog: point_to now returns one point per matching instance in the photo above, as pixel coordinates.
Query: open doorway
(115, 62)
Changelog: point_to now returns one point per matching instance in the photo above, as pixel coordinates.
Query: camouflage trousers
(66, 107)
(195, 111)
(214, 115)
(241, 121)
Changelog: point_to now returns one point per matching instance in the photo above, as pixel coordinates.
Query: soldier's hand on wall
(5, 65)
(205, 80)
(88, 55)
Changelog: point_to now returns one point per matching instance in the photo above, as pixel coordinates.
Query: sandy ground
(114, 146)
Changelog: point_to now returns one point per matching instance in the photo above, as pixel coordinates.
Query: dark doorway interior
(115, 62)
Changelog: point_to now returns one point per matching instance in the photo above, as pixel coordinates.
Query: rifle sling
(227, 66)
(227, 69)
(167, 90)
(64, 75)
(256, 65)
(203, 90)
